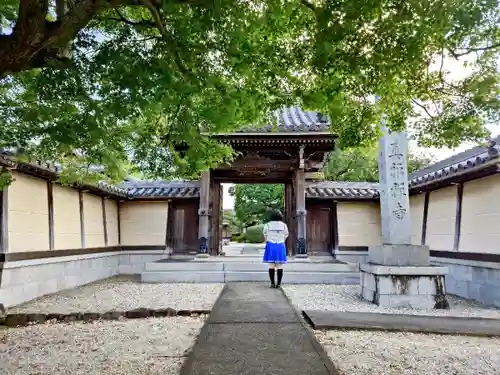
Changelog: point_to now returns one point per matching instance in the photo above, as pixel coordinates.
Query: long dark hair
(275, 215)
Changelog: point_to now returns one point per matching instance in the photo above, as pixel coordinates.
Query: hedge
(253, 234)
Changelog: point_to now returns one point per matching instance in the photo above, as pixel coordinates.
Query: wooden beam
(50, 202)
(458, 216)
(424, 218)
(215, 219)
(204, 214)
(119, 223)
(104, 221)
(335, 226)
(168, 231)
(4, 216)
(82, 219)
(289, 216)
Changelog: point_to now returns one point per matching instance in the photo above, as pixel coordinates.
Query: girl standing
(275, 232)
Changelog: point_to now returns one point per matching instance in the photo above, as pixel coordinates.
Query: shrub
(254, 234)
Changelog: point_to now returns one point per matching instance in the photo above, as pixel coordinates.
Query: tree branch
(36, 42)
(468, 51)
(423, 107)
(309, 5)
(156, 17)
(129, 22)
(159, 23)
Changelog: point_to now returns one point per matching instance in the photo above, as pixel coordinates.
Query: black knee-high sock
(271, 275)
(280, 275)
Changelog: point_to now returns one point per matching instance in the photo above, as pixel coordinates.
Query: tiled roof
(162, 189)
(292, 119)
(342, 190)
(51, 170)
(459, 163)
(191, 189)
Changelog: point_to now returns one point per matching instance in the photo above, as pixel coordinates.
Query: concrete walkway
(253, 330)
(402, 322)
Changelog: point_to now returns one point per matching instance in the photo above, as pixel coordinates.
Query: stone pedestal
(418, 287)
(399, 255)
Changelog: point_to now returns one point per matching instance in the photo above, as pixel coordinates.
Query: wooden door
(183, 224)
(319, 228)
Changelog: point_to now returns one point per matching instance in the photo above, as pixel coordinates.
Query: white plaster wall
(112, 222)
(480, 224)
(143, 223)
(441, 218)
(28, 210)
(66, 218)
(92, 216)
(358, 223)
(417, 217)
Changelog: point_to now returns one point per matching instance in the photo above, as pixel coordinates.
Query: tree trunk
(36, 42)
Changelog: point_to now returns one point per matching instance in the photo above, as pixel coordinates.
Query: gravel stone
(347, 298)
(123, 295)
(401, 353)
(147, 346)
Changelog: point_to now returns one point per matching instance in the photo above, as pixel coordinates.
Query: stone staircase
(233, 270)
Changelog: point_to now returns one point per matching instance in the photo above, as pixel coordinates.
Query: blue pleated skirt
(274, 253)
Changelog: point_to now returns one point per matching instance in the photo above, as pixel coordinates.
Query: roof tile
(292, 119)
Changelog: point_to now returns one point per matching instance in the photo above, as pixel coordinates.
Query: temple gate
(285, 153)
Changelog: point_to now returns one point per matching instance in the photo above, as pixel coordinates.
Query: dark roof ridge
(457, 158)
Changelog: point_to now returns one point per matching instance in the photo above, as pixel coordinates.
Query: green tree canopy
(229, 217)
(253, 202)
(117, 83)
(361, 164)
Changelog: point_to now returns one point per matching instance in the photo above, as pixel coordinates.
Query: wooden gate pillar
(301, 213)
(4, 229)
(289, 218)
(216, 218)
(204, 214)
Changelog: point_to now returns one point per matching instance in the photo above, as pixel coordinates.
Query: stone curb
(320, 350)
(22, 320)
(444, 325)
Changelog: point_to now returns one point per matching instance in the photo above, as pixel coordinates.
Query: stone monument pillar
(398, 273)
(204, 215)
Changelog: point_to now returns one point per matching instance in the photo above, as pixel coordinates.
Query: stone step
(297, 277)
(192, 276)
(184, 266)
(195, 276)
(247, 267)
(292, 267)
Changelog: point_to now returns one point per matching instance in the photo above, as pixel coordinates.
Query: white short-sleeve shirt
(275, 231)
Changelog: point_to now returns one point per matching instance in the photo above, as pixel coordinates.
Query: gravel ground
(138, 347)
(368, 353)
(117, 294)
(347, 298)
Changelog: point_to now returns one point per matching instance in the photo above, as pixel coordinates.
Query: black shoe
(271, 277)
(280, 277)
